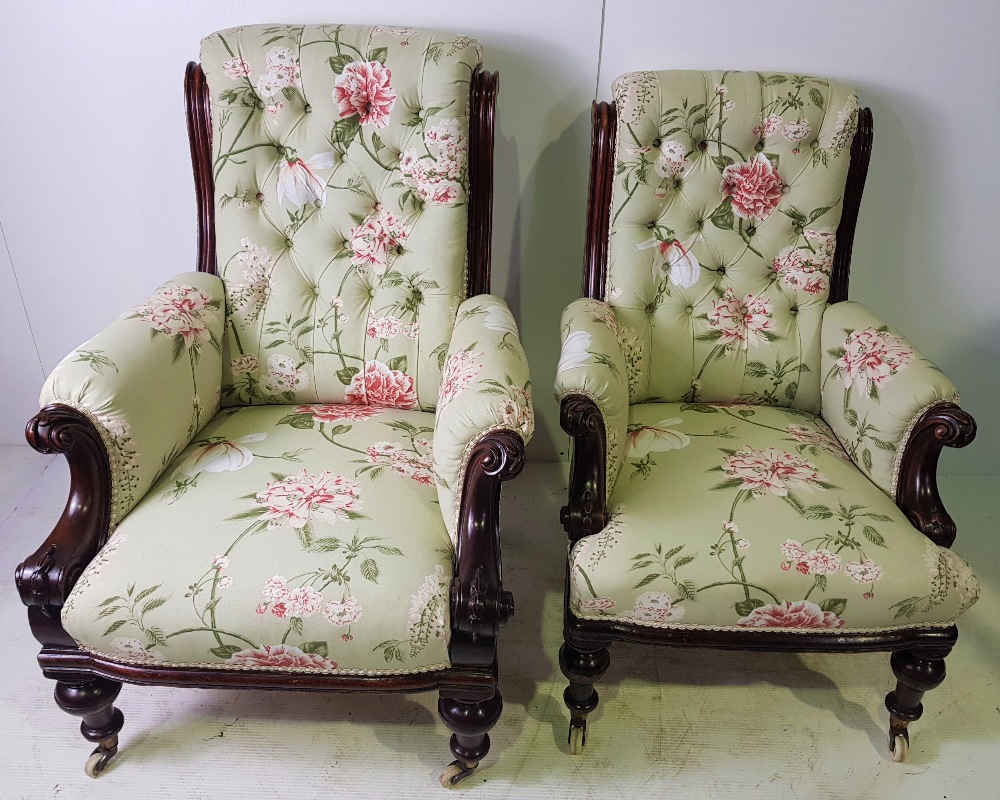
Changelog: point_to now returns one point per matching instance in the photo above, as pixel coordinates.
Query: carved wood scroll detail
(479, 603)
(916, 489)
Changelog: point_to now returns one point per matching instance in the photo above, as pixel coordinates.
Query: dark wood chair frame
(87, 684)
(917, 653)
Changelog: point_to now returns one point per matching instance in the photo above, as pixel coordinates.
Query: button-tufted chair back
(340, 161)
(727, 197)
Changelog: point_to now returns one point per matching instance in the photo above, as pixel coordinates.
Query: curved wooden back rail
(857, 173)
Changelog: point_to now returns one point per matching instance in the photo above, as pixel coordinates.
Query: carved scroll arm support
(46, 577)
(479, 603)
(916, 488)
(587, 511)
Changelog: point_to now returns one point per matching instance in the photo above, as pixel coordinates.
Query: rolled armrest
(877, 388)
(592, 366)
(485, 388)
(147, 382)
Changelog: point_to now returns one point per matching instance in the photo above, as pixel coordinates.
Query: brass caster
(899, 745)
(456, 772)
(101, 757)
(577, 739)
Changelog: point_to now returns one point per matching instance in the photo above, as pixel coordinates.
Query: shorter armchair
(754, 455)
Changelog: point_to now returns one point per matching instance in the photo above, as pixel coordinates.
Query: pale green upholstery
(353, 374)
(876, 385)
(726, 202)
(750, 425)
(592, 364)
(341, 172)
(148, 381)
(302, 537)
(736, 517)
(485, 388)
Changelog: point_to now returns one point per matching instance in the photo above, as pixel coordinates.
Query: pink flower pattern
(378, 385)
(754, 186)
(771, 470)
(363, 89)
(741, 322)
(377, 240)
(301, 497)
(798, 614)
(460, 371)
(280, 655)
(180, 311)
(871, 357)
(339, 412)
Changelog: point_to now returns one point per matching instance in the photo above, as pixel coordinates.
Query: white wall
(97, 202)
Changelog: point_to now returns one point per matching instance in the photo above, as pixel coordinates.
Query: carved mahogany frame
(918, 651)
(88, 683)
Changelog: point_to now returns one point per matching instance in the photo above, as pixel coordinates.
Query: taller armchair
(754, 455)
(286, 466)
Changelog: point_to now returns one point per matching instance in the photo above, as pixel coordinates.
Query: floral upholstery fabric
(726, 201)
(284, 537)
(785, 532)
(148, 381)
(591, 363)
(341, 178)
(485, 388)
(876, 385)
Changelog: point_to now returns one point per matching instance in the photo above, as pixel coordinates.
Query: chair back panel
(727, 196)
(340, 159)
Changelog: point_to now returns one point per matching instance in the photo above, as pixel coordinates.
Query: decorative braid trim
(897, 461)
(783, 631)
(245, 668)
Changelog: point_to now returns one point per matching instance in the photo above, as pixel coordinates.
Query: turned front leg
(917, 671)
(93, 700)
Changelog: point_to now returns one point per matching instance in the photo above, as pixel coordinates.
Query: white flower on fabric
(297, 180)
(342, 613)
(671, 162)
(822, 562)
(574, 351)
(304, 602)
(656, 607)
(676, 259)
(866, 571)
(133, 648)
(220, 562)
(283, 375)
(220, 456)
(236, 68)
(499, 319)
(792, 550)
(721, 88)
(656, 438)
(225, 582)
(796, 131)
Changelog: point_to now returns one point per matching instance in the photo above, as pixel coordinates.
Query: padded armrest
(148, 381)
(485, 387)
(592, 365)
(876, 387)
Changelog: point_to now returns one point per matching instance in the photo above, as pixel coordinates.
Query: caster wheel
(899, 746)
(577, 740)
(98, 762)
(456, 772)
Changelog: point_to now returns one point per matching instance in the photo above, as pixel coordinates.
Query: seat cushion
(284, 537)
(747, 517)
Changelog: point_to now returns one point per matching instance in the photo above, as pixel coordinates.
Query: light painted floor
(672, 723)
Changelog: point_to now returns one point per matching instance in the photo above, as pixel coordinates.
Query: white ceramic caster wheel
(899, 746)
(96, 764)
(577, 739)
(456, 772)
